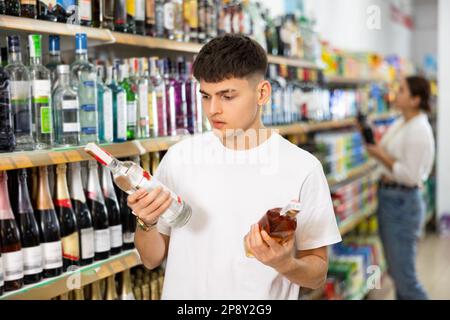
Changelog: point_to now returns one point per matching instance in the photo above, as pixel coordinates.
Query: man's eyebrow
(219, 92)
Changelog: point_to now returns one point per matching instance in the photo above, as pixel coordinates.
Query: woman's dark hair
(230, 56)
(420, 87)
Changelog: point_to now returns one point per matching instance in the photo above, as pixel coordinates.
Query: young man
(230, 177)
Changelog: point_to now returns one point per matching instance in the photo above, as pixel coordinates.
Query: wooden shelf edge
(53, 287)
(352, 80)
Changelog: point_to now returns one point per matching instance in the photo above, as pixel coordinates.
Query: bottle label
(139, 14)
(87, 243)
(143, 101)
(150, 12)
(128, 237)
(13, 265)
(108, 116)
(41, 101)
(131, 113)
(191, 13)
(52, 252)
(159, 14)
(169, 16)
(70, 110)
(85, 10)
(2, 281)
(116, 236)
(121, 116)
(102, 240)
(131, 7)
(71, 249)
(46, 120)
(32, 260)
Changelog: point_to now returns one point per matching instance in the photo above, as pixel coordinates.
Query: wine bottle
(95, 291)
(78, 294)
(2, 282)
(145, 291)
(96, 203)
(29, 231)
(111, 289)
(7, 138)
(10, 240)
(126, 292)
(67, 220)
(49, 228)
(112, 206)
(128, 222)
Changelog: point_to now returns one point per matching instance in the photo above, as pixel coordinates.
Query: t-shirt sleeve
(163, 175)
(316, 223)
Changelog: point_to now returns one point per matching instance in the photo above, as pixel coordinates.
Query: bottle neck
(76, 186)
(44, 201)
(64, 79)
(94, 189)
(96, 292)
(24, 196)
(111, 292)
(81, 56)
(108, 187)
(62, 192)
(5, 206)
(14, 57)
(35, 60)
(55, 57)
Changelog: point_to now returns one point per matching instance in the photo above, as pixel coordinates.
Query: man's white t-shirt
(228, 191)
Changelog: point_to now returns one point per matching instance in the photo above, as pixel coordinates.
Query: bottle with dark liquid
(12, 254)
(29, 231)
(365, 128)
(111, 289)
(120, 16)
(279, 223)
(65, 11)
(84, 218)
(67, 220)
(126, 291)
(46, 10)
(12, 7)
(112, 205)
(150, 18)
(28, 9)
(128, 222)
(96, 203)
(131, 14)
(7, 138)
(50, 229)
(2, 282)
(107, 20)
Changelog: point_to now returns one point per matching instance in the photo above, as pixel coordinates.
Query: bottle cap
(99, 154)
(34, 43)
(53, 44)
(13, 44)
(63, 69)
(291, 209)
(81, 42)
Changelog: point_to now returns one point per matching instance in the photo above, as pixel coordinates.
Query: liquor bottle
(111, 290)
(46, 10)
(279, 223)
(169, 19)
(120, 16)
(211, 20)
(4, 56)
(84, 80)
(128, 221)
(143, 103)
(54, 58)
(65, 11)
(12, 253)
(96, 293)
(155, 161)
(139, 16)
(126, 292)
(112, 205)
(202, 6)
(221, 11)
(119, 105)
(105, 109)
(28, 9)
(67, 220)
(158, 102)
(20, 95)
(29, 233)
(67, 111)
(181, 116)
(150, 18)
(83, 215)
(50, 233)
(145, 291)
(79, 294)
(130, 90)
(2, 281)
(108, 14)
(277, 95)
(41, 95)
(85, 12)
(12, 7)
(190, 20)
(178, 25)
(159, 18)
(7, 138)
(97, 13)
(190, 92)
(170, 83)
(131, 14)
(130, 177)
(99, 213)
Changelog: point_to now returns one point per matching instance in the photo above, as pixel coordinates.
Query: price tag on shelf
(22, 162)
(73, 156)
(6, 164)
(57, 157)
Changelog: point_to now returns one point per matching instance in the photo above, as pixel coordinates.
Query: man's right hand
(148, 206)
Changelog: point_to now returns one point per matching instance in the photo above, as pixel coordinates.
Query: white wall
(443, 117)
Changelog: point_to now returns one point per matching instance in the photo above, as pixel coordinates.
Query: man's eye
(205, 97)
(227, 97)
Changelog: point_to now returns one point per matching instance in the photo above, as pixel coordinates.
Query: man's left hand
(267, 250)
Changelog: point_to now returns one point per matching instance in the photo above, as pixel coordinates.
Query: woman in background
(406, 154)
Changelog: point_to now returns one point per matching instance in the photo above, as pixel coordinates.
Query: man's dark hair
(229, 56)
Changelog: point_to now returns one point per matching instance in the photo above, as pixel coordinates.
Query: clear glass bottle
(130, 177)
(108, 14)
(20, 95)
(139, 16)
(67, 111)
(130, 89)
(54, 58)
(170, 83)
(190, 20)
(41, 95)
(131, 13)
(119, 105)
(105, 108)
(150, 18)
(7, 138)
(158, 111)
(84, 80)
(143, 102)
(159, 18)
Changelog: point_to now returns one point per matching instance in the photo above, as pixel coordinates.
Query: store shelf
(105, 36)
(350, 223)
(351, 80)
(352, 174)
(53, 287)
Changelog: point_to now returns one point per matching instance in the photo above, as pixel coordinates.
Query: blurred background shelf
(342, 80)
(352, 174)
(350, 223)
(49, 288)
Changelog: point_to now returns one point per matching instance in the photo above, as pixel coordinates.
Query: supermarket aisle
(433, 266)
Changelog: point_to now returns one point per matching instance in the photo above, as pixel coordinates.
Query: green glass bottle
(131, 90)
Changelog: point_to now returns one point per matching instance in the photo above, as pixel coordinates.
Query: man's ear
(264, 90)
